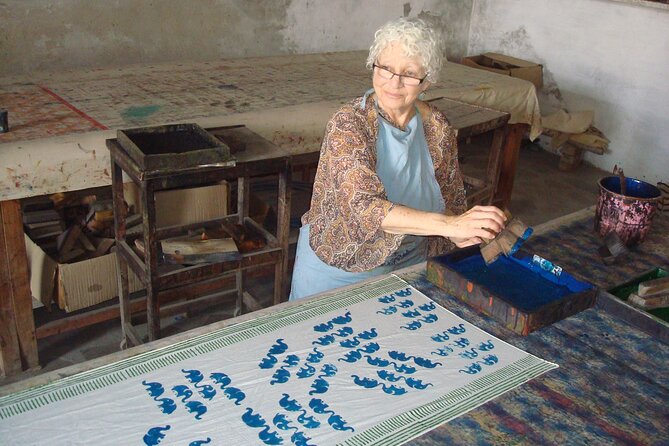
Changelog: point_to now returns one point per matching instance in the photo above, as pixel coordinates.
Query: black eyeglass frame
(400, 76)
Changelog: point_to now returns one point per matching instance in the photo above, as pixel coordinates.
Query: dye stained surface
(575, 247)
(379, 364)
(34, 113)
(286, 99)
(148, 95)
(143, 95)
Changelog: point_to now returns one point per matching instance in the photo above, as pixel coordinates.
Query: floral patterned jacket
(349, 202)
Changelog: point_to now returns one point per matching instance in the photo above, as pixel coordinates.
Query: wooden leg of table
(121, 263)
(18, 345)
(510, 155)
(243, 198)
(243, 204)
(283, 231)
(495, 160)
(239, 283)
(151, 259)
(124, 300)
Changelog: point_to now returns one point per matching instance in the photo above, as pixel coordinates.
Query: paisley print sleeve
(349, 202)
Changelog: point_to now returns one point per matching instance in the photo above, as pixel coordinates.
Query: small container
(4, 121)
(628, 215)
(173, 147)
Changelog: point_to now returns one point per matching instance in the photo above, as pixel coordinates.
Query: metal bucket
(627, 215)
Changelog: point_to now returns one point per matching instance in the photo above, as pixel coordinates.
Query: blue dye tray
(522, 293)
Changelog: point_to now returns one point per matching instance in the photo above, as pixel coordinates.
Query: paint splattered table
(609, 387)
(65, 117)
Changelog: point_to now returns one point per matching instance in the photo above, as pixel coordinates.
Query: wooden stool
(255, 157)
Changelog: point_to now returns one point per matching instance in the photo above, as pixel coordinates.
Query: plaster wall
(51, 35)
(601, 55)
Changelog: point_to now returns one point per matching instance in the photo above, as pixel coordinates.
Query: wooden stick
(655, 286)
(649, 302)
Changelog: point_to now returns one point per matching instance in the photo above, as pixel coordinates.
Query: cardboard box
(74, 285)
(508, 66)
(89, 282)
(184, 206)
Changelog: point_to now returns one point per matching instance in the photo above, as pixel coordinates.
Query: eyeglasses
(412, 81)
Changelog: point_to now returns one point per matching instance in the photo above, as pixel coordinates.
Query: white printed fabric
(379, 364)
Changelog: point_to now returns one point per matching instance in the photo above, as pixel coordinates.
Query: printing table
(608, 388)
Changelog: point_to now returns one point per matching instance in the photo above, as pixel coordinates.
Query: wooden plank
(251, 302)
(470, 120)
(196, 304)
(86, 319)
(507, 173)
(564, 220)
(10, 355)
(20, 279)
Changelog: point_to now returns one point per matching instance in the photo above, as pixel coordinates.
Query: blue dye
(518, 281)
(633, 187)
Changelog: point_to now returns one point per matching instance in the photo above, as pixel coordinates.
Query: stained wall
(63, 34)
(602, 55)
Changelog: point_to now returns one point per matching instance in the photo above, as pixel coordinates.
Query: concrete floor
(541, 192)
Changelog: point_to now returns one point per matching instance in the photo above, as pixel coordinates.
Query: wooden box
(623, 291)
(507, 65)
(522, 294)
(173, 147)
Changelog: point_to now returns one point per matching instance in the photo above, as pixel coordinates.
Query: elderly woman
(388, 190)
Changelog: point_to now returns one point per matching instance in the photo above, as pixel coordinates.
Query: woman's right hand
(475, 225)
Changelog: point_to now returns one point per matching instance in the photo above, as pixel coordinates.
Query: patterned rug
(575, 245)
(377, 364)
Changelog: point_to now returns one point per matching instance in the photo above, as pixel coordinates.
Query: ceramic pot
(628, 215)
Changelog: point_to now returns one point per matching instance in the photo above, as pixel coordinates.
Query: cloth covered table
(59, 144)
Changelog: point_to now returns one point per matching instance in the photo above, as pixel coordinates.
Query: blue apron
(405, 168)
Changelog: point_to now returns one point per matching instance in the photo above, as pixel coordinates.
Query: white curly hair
(417, 38)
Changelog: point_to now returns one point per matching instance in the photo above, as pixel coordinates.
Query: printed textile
(377, 364)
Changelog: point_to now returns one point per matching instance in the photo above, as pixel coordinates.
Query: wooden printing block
(655, 286)
(518, 293)
(650, 302)
(507, 241)
(195, 251)
(651, 294)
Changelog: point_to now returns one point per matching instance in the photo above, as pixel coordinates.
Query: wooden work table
(19, 335)
(608, 388)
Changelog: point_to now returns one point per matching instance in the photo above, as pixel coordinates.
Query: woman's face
(393, 96)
